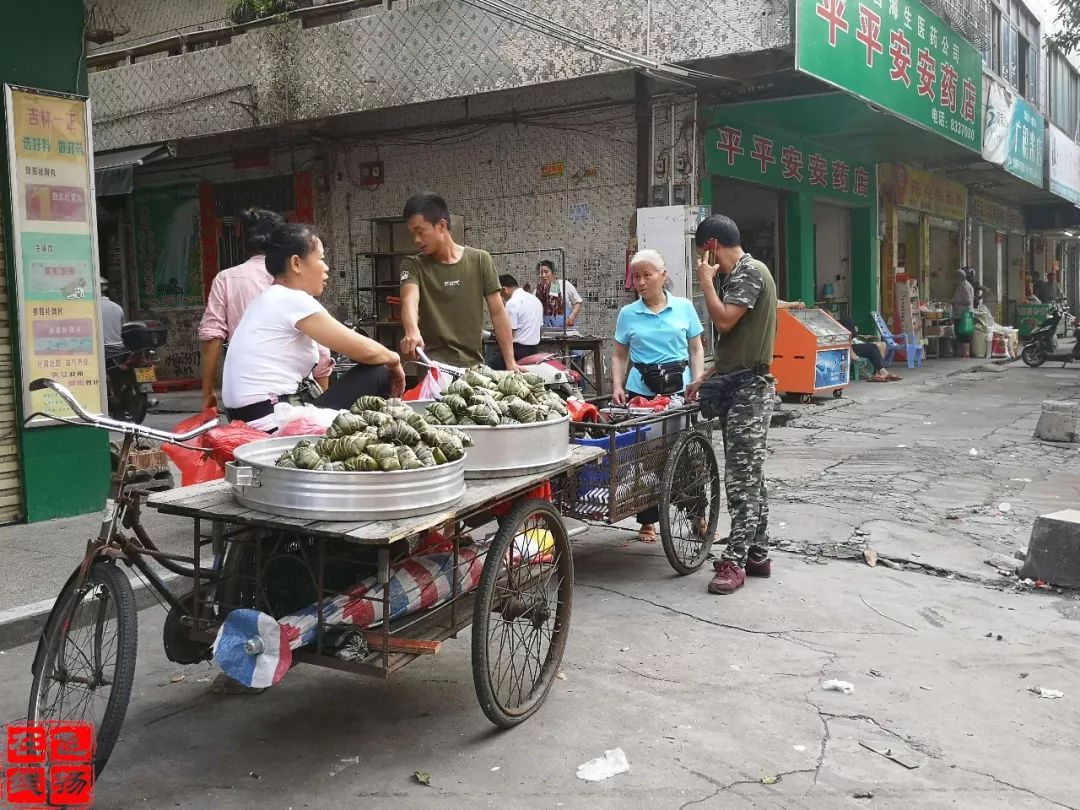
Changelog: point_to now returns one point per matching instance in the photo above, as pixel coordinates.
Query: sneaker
(758, 568)
(728, 578)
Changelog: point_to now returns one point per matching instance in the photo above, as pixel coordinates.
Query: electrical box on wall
(371, 174)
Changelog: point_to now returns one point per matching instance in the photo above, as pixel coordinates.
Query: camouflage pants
(745, 427)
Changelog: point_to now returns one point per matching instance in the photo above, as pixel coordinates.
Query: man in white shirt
(526, 317)
(112, 321)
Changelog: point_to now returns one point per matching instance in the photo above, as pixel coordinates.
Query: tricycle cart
(515, 587)
(664, 460)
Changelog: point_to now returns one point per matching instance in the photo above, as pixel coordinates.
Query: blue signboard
(832, 368)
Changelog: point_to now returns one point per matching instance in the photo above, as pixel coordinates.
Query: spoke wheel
(689, 503)
(521, 615)
(1033, 355)
(88, 664)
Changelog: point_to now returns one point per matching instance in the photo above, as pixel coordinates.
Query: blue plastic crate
(598, 474)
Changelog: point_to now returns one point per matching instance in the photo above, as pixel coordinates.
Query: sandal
(647, 534)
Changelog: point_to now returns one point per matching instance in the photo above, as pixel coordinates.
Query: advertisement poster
(1013, 137)
(56, 258)
(1064, 165)
(831, 368)
(167, 247)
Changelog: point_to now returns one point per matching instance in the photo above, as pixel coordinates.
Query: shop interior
(832, 257)
(945, 259)
(756, 211)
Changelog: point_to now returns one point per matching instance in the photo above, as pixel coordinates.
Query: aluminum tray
(259, 484)
(504, 451)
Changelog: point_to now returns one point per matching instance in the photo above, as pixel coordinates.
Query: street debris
(1021, 480)
(612, 763)
(735, 667)
(422, 778)
(799, 748)
(973, 452)
(890, 564)
(888, 754)
(495, 768)
(1005, 562)
(833, 685)
(254, 775)
(771, 780)
(870, 556)
(876, 673)
(177, 678)
(1004, 506)
(624, 649)
(864, 794)
(561, 676)
(1051, 694)
(999, 636)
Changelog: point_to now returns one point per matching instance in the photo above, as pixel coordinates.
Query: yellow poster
(56, 260)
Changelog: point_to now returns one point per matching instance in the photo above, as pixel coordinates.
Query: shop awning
(114, 172)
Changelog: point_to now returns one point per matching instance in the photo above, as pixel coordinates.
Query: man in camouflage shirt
(741, 392)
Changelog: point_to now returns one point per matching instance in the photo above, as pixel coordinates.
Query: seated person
(868, 350)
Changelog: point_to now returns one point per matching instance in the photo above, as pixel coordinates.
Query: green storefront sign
(746, 151)
(898, 55)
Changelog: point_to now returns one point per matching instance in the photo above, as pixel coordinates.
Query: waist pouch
(307, 391)
(719, 390)
(663, 378)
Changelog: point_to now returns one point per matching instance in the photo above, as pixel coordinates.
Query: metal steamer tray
(504, 451)
(315, 495)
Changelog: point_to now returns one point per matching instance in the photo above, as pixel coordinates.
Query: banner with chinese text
(923, 191)
(746, 151)
(1014, 134)
(55, 252)
(898, 55)
(168, 247)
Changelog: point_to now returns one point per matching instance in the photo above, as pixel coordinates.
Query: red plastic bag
(582, 411)
(196, 466)
(222, 441)
(302, 427)
(655, 404)
(430, 387)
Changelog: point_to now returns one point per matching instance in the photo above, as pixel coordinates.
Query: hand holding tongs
(426, 361)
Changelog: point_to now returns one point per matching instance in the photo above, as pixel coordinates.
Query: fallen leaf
(177, 678)
(561, 676)
(422, 778)
(771, 780)
(870, 556)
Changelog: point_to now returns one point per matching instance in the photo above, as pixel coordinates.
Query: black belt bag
(718, 391)
(306, 392)
(663, 378)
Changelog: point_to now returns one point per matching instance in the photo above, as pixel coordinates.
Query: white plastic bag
(284, 413)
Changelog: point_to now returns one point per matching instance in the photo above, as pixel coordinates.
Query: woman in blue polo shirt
(653, 337)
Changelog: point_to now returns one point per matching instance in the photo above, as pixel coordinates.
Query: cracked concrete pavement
(717, 701)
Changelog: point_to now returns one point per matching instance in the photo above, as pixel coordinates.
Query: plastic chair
(905, 342)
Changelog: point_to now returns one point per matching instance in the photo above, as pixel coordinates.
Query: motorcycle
(130, 372)
(1041, 345)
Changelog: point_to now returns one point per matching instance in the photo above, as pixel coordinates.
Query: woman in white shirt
(276, 345)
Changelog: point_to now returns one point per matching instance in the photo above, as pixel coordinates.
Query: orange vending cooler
(811, 355)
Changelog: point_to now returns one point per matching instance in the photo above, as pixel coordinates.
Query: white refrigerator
(669, 230)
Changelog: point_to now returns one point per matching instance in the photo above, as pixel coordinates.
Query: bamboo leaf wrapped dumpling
(306, 458)
(459, 388)
(441, 413)
(376, 418)
(361, 463)
(525, 413)
(457, 402)
(515, 385)
(408, 459)
(416, 421)
(399, 433)
(344, 447)
(484, 414)
(477, 380)
(381, 452)
(344, 424)
(400, 412)
(286, 460)
(368, 403)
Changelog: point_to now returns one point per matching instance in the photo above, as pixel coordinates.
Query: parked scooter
(131, 372)
(1041, 345)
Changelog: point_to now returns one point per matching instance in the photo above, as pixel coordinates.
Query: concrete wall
(286, 73)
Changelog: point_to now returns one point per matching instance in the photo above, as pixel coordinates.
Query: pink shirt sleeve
(325, 364)
(215, 322)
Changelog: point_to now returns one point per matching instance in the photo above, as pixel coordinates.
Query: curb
(24, 624)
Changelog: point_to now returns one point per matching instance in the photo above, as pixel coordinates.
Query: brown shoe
(758, 568)
(728, 578)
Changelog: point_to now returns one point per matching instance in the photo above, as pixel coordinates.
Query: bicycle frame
(123, 504)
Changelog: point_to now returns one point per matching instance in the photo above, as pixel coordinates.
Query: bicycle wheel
(689, 502)
(521, 615)
(88, 664)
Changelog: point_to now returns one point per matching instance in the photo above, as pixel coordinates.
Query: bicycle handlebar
(107, 423)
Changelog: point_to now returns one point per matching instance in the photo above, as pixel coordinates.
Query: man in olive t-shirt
(741, 393)
(443, 290)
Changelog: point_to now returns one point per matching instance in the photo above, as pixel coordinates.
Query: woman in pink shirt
(231, 293)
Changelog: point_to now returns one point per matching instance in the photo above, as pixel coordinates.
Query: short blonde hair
(647, 256)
